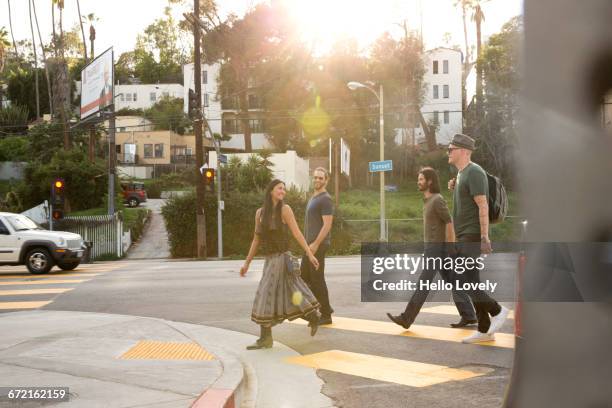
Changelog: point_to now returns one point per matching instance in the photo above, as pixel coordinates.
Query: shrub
(86, 182)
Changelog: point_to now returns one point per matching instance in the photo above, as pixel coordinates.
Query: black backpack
(498, 200)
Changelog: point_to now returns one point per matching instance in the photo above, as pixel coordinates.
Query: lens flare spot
(315, 121)
(297, 298)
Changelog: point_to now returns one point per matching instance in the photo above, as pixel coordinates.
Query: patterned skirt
(281, 295)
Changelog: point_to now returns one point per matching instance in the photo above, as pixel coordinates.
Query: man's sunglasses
(450, 149)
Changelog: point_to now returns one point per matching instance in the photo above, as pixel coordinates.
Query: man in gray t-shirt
(317, 228)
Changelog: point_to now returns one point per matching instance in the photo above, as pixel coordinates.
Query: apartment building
(222, 112)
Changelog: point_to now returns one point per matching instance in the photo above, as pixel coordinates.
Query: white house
(443, 95)
(131, 124)
(288, 166)
(144, 96)
(222, 116)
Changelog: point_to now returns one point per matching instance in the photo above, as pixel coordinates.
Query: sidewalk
(129, 361)
(153, 243)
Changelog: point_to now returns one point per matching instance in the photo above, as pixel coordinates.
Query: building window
(159, 150)
(435, 67)
(128, 97)
(188, 151)
(435, 92)
(165, 95)
(118, 149)
(148, 150)
(446, 117)
(121, 129)
(445, 91)
(256, 125)
(122, 98)
(436, 120)
(152, 96)
(135, 97)
(445, 67)
(204, 77)
(205, 100)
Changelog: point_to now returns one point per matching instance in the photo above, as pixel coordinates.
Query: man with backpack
(471, 222)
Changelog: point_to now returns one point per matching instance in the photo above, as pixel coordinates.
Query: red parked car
(133, 193)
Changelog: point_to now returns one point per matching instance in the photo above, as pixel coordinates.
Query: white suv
(22, 241)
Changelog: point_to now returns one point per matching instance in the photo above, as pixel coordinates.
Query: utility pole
(92, 130)
(197, 124)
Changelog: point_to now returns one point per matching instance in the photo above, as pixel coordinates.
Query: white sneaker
(478, 337)
(498, 321)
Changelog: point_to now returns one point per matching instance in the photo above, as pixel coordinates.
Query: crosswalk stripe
(43, 282)
(33, 291)
(417, 331)
(450, 310)
(22, 305)
(405, 372)
(51, 276)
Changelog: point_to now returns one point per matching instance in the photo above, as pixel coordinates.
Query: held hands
(313, 260)
(244, 269)
(485, 246)
(451, 184)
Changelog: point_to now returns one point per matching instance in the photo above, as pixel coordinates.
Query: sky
(320, 21)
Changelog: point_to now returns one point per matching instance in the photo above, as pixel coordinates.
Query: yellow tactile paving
(393, 370)
(42, 282)
(22, 305)
(417, 331)
(33, 291)
(450, 310)
(49, 276)
(163, 350)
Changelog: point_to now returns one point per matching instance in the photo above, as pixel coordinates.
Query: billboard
(97, 81)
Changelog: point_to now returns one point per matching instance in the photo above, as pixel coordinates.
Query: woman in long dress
(281, 294)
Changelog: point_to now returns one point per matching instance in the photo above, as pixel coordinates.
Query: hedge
(238, 224)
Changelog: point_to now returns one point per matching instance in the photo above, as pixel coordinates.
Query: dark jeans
(468, 246)
(316, 279)
(461, 299)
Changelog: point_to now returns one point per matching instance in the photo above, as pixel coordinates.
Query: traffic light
(58, 189)
(209, 180)
(192, 104)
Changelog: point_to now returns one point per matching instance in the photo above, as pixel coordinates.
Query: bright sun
(324, 22)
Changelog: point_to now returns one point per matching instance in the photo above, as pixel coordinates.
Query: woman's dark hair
(431, 176)
(268, 211)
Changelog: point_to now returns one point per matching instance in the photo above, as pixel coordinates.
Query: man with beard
(438, 229)
(317, 227)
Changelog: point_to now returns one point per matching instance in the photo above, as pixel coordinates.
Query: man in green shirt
(471, 221)
(438, 229)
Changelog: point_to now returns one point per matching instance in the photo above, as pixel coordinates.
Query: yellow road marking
(393, 370)
(50, 276)
(450, 310)
(22, 305)
(417, 331)
(33, 291)
(164, 350)
(43, 282)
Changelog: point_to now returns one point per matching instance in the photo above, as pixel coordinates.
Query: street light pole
(383, 232)
(381, 119)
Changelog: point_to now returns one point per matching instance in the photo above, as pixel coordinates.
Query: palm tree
(4, 44)
(82, 30)
(11, 27)
(478, 17)
(37, 89)
(91, 18)
(44, 55)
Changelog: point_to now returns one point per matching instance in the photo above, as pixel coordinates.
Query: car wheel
(68, 266)
(39, 261)
(133, 202)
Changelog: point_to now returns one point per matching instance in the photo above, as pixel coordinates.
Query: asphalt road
(212, 293)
